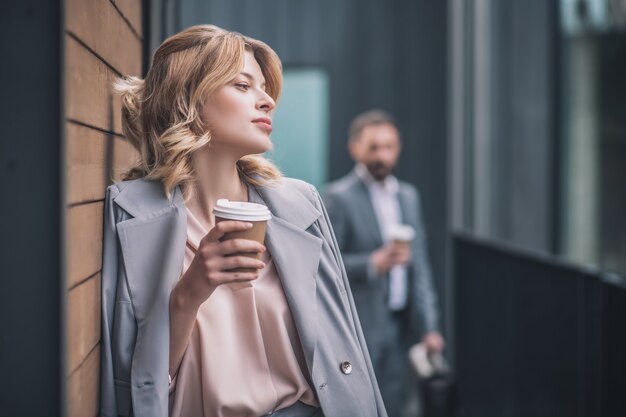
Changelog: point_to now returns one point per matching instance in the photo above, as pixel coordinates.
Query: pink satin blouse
(244, 356)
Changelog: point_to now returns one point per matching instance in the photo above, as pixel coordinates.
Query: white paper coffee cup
(400, 233)
(254, 213)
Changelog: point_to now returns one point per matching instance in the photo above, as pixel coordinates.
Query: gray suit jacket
(358, 234)
(144, 241)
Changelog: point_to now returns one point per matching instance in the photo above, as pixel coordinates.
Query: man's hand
(434, 342)
(390, 255)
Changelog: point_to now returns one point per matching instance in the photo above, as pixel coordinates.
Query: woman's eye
(242, 86)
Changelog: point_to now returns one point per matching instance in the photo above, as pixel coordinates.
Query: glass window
(593, 150)
(300, 123)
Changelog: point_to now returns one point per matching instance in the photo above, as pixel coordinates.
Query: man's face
(378, 148)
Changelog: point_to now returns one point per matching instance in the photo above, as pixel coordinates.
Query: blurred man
(391, 282)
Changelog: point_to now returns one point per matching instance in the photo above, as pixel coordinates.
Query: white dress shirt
(384, 197)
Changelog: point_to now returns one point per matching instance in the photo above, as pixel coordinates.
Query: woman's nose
(266, 102)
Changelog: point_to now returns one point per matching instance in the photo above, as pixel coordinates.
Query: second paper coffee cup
(401, 234)
(254, 213)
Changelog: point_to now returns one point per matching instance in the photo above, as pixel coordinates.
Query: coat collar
(142, 197)
(286, 202)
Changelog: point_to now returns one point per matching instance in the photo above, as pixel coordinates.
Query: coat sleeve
(108, 403)
(357, 264)
(329, 235)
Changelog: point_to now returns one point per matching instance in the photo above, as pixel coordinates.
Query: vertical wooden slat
(84, 241)
(83, 311)
(82, 389)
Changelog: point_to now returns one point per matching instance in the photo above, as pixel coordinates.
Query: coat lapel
(364, 201)
(405, 210)
(296, 254)
(152, 242)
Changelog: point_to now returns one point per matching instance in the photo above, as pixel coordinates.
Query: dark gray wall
(31, 152)
(612, 149)
(383, 54)
(525, 64)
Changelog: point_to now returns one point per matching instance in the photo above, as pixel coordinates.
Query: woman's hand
(213, 261)
(208, 269)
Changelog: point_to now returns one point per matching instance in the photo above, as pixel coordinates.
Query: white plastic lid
(241, 210)
(402, 232)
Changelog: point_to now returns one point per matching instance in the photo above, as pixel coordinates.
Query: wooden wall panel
(102, 29)
(86, 163)
(95, 159)
(83, 329)
(124, 157)
(86, 86)
(89, 97)
(103, 41)
(82, 390)
(84, 242)
(131, 9)
(116, 111)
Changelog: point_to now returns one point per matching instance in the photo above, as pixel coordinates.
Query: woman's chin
(260, 147)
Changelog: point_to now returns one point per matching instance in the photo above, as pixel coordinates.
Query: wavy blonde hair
(161, 114)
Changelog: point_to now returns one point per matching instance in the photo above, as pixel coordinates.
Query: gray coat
(144, 242)
(358, 235)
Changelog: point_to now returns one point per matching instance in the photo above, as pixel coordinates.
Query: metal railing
(535, 336)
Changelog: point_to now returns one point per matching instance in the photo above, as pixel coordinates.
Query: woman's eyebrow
(250, 77)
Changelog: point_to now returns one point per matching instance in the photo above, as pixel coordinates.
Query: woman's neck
(216, 177)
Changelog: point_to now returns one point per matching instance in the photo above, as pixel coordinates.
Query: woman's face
(239, 113)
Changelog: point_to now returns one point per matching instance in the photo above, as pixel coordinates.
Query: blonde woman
(182, 333)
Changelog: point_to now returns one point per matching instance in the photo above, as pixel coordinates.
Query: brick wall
(103, 40)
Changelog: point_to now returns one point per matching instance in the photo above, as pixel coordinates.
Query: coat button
(346, 367)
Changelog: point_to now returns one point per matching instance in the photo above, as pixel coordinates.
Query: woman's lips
(263, 123)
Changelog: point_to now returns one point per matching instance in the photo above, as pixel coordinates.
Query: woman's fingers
(232, 246)
(224, 227)
(232, 262)
(226, 277)
(216, 260)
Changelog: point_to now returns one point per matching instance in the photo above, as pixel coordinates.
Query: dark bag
(436, 383)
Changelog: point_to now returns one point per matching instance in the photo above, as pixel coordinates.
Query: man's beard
(378, 170)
